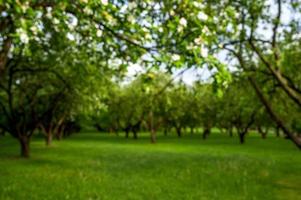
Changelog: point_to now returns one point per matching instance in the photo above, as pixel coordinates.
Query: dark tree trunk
(48, 133)
(231, 132)
(135, 134)
(191, 130)
(153, 136)
(273, 115)
(165, 131)
(48, 138)
(206, 132)
(59, 134)
(98, 127)
(242, 138)
(277, 131)
(179, 131)
(262, 132)
(126, 133)
(152, 128)
(24, 144)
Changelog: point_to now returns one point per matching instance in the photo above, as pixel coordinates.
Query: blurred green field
(102, 166)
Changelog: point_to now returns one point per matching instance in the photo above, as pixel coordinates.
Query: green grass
(100, 166)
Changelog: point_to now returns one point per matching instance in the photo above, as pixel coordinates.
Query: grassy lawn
(100, 166)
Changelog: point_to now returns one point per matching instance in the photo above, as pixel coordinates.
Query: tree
(46, 42)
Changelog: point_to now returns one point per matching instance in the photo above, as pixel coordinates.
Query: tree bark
(283, 82)
(135, 134)
(206, 132)
(165, 131)
(242, 138)
(262, 132)
(48, 134)
(3, 54)
(49, 138)
(60, 132)
(230, 132)
(191, 130)
(277, 130)
(126, 133)
(152, 128)
(273, 115)
(24, 144)
(179, 131)
(153, 136)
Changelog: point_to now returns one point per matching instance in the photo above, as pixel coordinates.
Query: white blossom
(191, 46)
(175, 57)
(88, 11)
(56, 21)
(23, 36)
(99, 33)
(296, 36)
(24, 7)
(104, 2)
(34, 30)
(206, 30)
(132, 5)
(204, 52)
(198, 40)
(148, 36)
(198, 5)
(183, 22)
(202, 16)
(70, 36)
(180, 28)
(131, 19)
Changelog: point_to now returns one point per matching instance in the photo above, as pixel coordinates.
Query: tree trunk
(277, 131)
(126, 133)
(24, 144)
(287, 87)
(6, 46)
(60, 131)
(206, 132)
(262, 132)
(242, 137)
(231, 132)
(191, 130)
(152, 129)
(153, 136)
(48, 133)
(273, 115)
(49, 138)
(135, 134)
(165, 131)
(179, 131)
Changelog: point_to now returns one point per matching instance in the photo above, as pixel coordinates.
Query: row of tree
(58, 60)
(151, 102)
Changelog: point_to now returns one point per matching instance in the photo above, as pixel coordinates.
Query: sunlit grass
(101, 166)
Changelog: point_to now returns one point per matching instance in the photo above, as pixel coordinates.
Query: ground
(103, 166)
